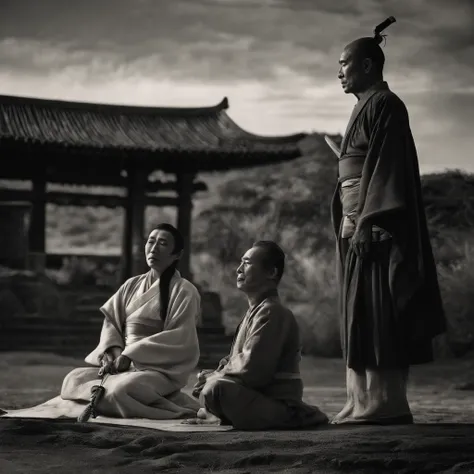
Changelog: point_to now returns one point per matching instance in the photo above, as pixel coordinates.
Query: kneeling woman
(148, 344)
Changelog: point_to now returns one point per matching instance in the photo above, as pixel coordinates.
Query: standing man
(390, 300)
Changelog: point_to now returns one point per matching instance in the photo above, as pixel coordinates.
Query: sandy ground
(442, 441)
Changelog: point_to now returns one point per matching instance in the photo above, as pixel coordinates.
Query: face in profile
(352, 72)
(159, 250)
(252, 274)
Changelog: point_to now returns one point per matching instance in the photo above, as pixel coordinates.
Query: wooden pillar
(185, 182)
(134, 225)
(14, 234)
(37, 227)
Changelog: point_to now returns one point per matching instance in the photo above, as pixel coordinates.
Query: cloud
(237, 39)
(275, 59)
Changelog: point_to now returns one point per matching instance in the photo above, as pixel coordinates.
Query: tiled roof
(203, 130)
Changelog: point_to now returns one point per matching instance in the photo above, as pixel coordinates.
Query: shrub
(457, 283)
(307, 285)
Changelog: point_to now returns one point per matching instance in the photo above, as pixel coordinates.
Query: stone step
(87, 312)
(88, 306)
(79, 336)
(12, 340)
(38, 331)
(36, 323)
(82, 349)
(81, 329)
(16, 341)
(59, 340)
(206, 361)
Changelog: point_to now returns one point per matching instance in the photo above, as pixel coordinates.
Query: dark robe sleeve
(390, 197)
(256, 364)
(383, 191)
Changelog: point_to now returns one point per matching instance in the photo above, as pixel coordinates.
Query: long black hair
(165, 278)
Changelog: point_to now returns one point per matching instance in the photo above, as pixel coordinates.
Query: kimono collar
(379, 86)
(359, 106)
(151, 279)
(273, 293)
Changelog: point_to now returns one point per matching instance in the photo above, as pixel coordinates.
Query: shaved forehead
(346, 55)
(253, 254)
(364, 48)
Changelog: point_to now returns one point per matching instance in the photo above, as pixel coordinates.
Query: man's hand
(107, 360)
(361, 240)
(201, 381)
(106, 363)
(121, 364)
(203, 375)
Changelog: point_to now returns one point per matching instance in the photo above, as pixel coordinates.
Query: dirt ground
(442, 441)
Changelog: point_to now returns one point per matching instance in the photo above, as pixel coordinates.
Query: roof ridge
(252, 137)
(112, 109)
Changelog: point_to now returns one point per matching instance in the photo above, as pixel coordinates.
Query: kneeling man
(258, 385)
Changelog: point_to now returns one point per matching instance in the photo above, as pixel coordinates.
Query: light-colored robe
(258, 386)
(163, 355)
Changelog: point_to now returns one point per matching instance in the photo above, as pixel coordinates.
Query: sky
(276, 60)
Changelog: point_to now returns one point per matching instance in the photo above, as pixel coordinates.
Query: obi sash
(350, 173)
(350, 166)
(136, 331)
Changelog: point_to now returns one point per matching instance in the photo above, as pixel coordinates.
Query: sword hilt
(385, 24)
(98, 392)
(86, 414)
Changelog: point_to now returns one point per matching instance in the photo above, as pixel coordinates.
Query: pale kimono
(258, 385)
(163, 355)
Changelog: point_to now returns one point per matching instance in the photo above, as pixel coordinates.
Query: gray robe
(258, 385)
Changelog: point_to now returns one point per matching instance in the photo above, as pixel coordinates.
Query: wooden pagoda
(75, 143)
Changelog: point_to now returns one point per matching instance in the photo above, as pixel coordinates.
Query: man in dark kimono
(258, 385)
(389, 295)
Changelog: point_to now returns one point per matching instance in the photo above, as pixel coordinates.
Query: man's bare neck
(255, 298)
(369, 87)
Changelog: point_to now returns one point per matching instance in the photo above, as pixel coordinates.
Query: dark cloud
(235, 39)
(286, 50)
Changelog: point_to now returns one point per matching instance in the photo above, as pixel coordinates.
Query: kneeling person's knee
(118, 390)
(71, 383)
(221, 397)
(212, 392)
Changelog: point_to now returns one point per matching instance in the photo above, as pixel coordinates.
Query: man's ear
(179, 254)
(274, 273)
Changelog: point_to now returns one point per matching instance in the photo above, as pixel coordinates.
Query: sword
(97, 393)
(333, 146)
